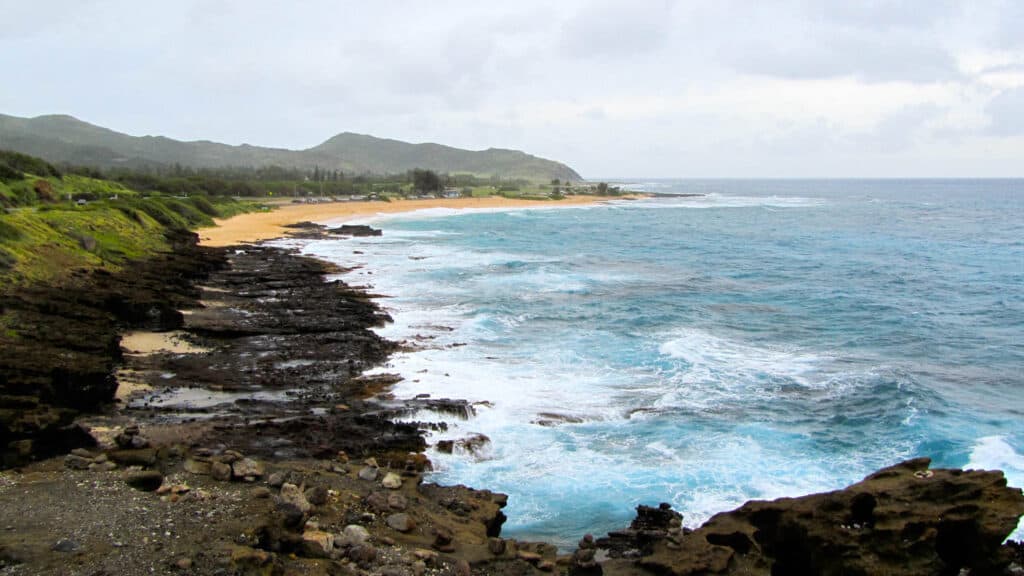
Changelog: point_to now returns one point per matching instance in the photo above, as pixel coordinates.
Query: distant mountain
(60, 138)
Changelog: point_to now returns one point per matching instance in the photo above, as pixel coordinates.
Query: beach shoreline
(260, 226)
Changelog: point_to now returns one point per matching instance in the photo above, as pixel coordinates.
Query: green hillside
(65, 139)
(52, 223)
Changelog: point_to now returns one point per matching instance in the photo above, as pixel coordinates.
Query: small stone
(276, 479)
(291, 494)
(83, 453)
(198, 467)
(65, 545)
(424, 554)
(387, 540)
(443, 540)
(362, 554)
(231, 456)
(183, 564)
(250, 559)
(378, 501)
(220, 471)
(260, 492)
(419, 567)
(371, 462)
(397, 502)
(143, 457)
(392, 481)
(108, 466)
(138, 442)
(369, 473)
(496, 546)
(531, 557)
(147, 480)
(353, 535)
(445, 446)
(246, 468)
(401, 522)
(584, 555)
(101, 458)
(342, 457)
(462, 568)
(546, 566)
(317, 543)
(76, 462)
(317, 495)
(291, 515)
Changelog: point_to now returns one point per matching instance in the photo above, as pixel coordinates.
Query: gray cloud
(653, 88)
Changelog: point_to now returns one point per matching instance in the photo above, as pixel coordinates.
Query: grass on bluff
(52, 224)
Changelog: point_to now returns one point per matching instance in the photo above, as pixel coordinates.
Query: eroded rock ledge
(905, 519)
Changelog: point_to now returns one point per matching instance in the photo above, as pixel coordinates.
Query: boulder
(199, 467)
(291, 494)
(352, 535)
(247, 468)
(905, 519)
(147, 480)
(392, 481)
(220, 471)
(317, 543)
(369, 473)
(401, 522)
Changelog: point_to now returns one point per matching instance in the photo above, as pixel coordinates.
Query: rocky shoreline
(263, 450)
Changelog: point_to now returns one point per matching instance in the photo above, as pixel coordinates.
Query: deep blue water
(770, 338)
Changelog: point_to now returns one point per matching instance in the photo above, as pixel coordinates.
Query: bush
(7, 173)
(30, 164)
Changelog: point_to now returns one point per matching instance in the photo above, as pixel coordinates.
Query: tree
(425, 181)
(602, 188)
(556, 182)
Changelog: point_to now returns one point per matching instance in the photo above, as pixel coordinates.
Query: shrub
(7, 173)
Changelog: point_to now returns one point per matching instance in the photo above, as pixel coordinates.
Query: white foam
(714, 200)
(995, 453)
(719, 368)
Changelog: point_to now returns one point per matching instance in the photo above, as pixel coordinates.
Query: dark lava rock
(60, 361)
(905, 519)
(317, 495)
(355, 230)
(65, 545)
(147, 480)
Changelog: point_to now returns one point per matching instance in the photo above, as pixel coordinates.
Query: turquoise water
(771, 338)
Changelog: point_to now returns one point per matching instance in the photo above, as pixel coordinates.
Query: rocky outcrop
(62, 348)
(905, 519)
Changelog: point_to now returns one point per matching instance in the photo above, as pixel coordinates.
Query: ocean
(768, 338)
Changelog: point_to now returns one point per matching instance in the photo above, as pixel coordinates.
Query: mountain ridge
(63, 138)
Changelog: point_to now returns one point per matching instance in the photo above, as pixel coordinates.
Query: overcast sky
(630, 88)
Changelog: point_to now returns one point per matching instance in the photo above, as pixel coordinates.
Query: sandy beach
(258, 226)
